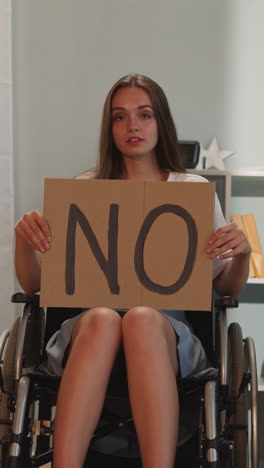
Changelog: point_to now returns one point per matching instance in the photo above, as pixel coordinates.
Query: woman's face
(134, 125)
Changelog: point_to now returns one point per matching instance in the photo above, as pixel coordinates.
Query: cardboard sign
(121, 244)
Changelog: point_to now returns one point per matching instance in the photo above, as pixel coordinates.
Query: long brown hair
(167, 149)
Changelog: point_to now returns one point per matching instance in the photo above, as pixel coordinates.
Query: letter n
(109, 265)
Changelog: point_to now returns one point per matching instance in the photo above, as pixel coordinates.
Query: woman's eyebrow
(139, 107)
(145, 105)
(118, 108)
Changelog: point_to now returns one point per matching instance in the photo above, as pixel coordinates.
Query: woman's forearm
(32, 239)
(233, 278)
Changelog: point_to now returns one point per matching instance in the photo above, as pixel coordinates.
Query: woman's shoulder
(86, 175)
(185, 177)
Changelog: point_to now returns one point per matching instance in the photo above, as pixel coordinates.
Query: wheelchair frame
(224, 399)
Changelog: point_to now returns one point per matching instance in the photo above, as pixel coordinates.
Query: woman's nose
(133, 124)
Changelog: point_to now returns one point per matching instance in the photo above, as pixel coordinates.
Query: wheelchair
(221, 402)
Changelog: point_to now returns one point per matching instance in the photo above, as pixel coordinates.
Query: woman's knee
(142, 321)
(100, 321)
(138, 317)
(147, 330)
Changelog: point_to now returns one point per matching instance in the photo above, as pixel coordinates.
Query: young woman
(138, 142)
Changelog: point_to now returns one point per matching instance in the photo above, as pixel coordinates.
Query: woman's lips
(134, 140)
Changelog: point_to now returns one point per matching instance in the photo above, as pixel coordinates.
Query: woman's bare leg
(95, 341)
(150, 348)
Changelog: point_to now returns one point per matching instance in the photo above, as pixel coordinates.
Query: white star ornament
(214, 156)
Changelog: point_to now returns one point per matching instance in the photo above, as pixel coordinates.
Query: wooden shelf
(255, 281)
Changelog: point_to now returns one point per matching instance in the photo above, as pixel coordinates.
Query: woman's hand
(34, 230)
(228, 241)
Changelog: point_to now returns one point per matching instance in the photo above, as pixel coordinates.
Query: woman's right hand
(34, 230)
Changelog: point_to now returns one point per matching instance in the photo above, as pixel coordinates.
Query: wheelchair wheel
(239, 418)
(8, 367)
(8, 380)
(251, 367)
(242, 366)
(4, 429)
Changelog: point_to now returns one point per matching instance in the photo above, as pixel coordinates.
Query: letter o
(191, 253)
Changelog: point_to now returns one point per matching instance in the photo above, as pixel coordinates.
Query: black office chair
(190, 153)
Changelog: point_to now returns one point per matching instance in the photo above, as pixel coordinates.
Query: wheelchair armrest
(24, 298)
(226, 302)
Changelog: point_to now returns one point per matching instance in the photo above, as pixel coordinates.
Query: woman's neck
(142, 169)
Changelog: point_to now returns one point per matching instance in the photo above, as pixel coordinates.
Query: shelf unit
(239, 183)
(244, 184)
(233, 184)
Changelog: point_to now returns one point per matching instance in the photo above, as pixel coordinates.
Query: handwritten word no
(109, 265)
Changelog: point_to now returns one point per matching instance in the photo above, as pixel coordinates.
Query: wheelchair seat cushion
(192, 358)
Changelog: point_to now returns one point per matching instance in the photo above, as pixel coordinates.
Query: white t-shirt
(219, 220)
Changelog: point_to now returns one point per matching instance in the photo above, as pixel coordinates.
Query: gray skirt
(191, 355)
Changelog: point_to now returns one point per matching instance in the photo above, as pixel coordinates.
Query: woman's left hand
(228, 241)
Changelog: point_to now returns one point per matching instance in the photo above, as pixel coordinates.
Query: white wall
(67, 54)
(206, 54)
(6, 169)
